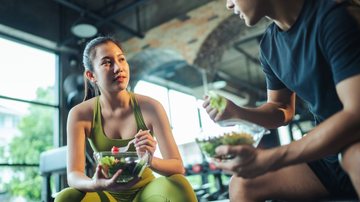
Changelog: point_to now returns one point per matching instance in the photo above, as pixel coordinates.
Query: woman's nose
(118, 67)
(229, 4)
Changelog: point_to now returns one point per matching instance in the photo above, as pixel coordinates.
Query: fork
(125, 148)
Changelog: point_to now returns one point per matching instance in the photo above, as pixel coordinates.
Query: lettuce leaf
(216, 101)
(107, 161)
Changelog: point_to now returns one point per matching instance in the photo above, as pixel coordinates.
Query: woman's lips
(120, 79)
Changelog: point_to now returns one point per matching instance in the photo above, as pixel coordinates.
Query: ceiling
(49, 23)
(52, 19)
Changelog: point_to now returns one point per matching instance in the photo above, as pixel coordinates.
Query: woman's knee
(179, 183)
(179, 180)
(73, 195)
(175, 187)
(69, 195)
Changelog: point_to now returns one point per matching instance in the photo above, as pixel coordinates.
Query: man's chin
(250, 23)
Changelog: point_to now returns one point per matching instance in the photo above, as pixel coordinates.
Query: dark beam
(247, 55)
(113, 3)
(98, 18)
(240, 83)
(121, 11)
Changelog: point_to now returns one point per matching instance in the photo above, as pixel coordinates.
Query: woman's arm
(171, 163)
(76, 137)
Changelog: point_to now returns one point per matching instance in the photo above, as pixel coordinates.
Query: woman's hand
(249, 162)
(145, 142)
(102, 182)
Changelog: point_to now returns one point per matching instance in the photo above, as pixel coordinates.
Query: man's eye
(106, 62)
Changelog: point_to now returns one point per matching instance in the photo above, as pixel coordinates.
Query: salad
(209, 144)
(229, 132)
(131, 164)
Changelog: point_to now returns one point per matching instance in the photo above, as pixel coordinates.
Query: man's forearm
(330, 137)
(268, 115)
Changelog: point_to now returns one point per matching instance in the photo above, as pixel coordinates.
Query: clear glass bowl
(131, 163)
(229, 132)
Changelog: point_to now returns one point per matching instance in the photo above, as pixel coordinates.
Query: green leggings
(175, 188)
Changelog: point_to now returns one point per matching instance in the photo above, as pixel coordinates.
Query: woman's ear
(90, 76)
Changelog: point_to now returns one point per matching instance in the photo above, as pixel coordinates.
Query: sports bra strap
(137, 112)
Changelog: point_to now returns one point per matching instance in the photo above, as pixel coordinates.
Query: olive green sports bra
(98, 139)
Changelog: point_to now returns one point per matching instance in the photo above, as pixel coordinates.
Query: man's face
(246, 9)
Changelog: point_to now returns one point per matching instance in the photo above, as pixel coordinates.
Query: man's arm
(332, 135)
(277, 111)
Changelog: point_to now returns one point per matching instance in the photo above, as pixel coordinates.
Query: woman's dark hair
(91, 90)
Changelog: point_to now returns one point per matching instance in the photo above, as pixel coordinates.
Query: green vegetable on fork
(217, 101)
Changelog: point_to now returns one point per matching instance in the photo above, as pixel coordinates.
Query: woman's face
(248, 10)
(111, 70)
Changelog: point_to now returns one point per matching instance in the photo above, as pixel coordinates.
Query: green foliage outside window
(37, 131)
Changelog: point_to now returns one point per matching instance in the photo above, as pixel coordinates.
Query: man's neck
(286, 12)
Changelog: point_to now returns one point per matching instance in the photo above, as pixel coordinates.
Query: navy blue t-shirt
(320, 50)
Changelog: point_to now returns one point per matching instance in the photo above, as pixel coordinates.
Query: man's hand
(218, 107)
(249, 162)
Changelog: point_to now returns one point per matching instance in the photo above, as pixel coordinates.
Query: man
(312, 50)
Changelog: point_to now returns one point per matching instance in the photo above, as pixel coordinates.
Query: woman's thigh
(175, 188)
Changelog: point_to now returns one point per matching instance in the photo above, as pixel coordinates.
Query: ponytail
(91, 90)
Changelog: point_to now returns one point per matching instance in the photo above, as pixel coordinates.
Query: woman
(114, 118)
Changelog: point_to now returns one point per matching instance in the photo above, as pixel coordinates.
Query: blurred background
(176, 50)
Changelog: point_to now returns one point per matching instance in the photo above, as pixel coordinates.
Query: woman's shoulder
(147, 102)
(144, 98)
(83, 110)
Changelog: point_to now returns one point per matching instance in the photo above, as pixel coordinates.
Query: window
(182, 110)
(29, 114)
(155, 91)
(187, 118)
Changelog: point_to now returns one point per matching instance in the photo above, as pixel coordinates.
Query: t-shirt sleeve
(272, 81)
(340, 43)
